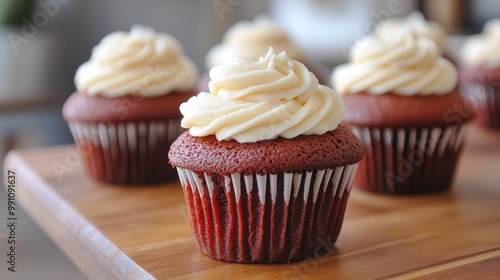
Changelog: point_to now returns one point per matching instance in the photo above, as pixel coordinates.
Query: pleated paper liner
(409, 160)
(486, 98)
(127, 153)
(267, 218)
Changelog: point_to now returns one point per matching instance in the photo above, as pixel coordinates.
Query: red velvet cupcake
(125, 113)
(401, 99)
(480, 74)
(265, 166)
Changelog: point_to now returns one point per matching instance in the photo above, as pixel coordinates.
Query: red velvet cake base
(409, 160)
(393, 110)
(272, 222)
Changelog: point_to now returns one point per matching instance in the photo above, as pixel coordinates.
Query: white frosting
(415, 23)
(403, 64)
(253, 101)
(483, 50)
(251, 40)
(142, 63)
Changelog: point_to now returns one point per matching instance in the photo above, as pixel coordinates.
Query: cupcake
(401, 99)
(480, 74)
(265, 167)
(124, 114)
(251, 40)
(418, 25)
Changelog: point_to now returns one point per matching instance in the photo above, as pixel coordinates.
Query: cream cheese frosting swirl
(141, 63)
(403, 64)
(483, 50)
(252, 101)
(251, 40)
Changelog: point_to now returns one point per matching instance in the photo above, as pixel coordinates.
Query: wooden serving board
(117, 232)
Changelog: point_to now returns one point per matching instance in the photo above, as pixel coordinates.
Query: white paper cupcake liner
(267, 218)
(409, 160)
(127, 153)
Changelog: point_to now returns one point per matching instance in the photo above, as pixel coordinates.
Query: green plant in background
(12, 11)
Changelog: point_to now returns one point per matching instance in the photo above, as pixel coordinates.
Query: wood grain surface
(117, 232)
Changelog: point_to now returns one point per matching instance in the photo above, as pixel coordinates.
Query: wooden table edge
(80, 241)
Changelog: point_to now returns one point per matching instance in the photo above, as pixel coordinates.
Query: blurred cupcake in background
(266, 167)
(251, 40)
(401, 99)
(480, 74)
(124, 114)
(418, 25)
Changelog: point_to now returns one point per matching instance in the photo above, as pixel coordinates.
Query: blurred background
(42, 43)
